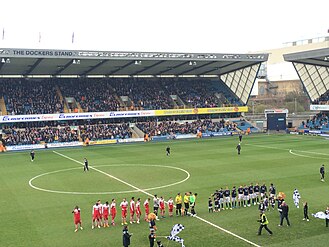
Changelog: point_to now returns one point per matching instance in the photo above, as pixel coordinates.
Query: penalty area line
(149, 194)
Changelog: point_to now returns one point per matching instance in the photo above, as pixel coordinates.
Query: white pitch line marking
(106, 174)
(291, 151)
(107, 192)
(306, 156)
(310, 152)
(146, 193)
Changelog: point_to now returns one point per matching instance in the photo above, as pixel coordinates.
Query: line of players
(243, 196)
(102, 213)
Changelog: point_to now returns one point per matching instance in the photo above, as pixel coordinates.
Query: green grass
(30, 217)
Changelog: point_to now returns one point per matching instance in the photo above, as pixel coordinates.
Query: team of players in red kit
(102, 212)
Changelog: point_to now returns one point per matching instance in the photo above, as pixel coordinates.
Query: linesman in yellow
(178, 201)
(263, 223)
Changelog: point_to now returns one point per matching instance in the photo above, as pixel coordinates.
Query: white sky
(157, 25)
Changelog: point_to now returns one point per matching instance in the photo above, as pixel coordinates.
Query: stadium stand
(24, 96)
(51, 134)
(147, 94)
(244, 126)
(317, 122)
(39, 135)
(105, 132)
(93, 95)
(167, 128)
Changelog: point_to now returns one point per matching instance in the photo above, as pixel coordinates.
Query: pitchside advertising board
(276, 119)
(319, 107)
(118, 114)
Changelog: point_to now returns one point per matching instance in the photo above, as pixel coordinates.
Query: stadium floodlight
(76, 61)
(5, 60)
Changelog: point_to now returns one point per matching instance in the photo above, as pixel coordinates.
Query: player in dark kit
(227, 198)
(210, 206)
(263, 191)
(221, 199)
(238, 147)
(245, 196)
(251, 195)
(240, 196)
(85, 166)
(306, 212)
(322, 173)
(256, 191)
(240, 137)
(168, 151)
(234, 195)
(32, 155)
(272, 190)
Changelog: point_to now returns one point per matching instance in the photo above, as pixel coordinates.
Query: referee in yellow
(186, 203)
(178, 201)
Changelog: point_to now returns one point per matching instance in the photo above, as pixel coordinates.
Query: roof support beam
(121, 67)
(249, 65)
(94, 67)
(175, 67)
(149, 67)
(219, 68)
(196, 67)
(63, 68)
(29, 71)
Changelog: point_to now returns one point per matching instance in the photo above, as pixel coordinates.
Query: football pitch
(37, 198)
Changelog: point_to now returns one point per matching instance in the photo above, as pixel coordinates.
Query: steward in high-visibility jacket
(263, 224)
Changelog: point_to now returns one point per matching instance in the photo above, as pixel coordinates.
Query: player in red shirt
(132, 210)
(147, 208)
(162, 207)
(171, 206)
(105, 212)
(100, 209)
(138, 210)
(113, 211)
(124, 208)
(77, 218)
(96, 216)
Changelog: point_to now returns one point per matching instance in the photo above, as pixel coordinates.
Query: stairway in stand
(3, 106)
(61, 98)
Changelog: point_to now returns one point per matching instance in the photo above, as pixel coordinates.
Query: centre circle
(108, 192)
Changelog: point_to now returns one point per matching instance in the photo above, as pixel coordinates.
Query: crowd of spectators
(317, 122)
(30, 133)
(323, 100)
(25, 96)
(105, 131)
(49, 134)
(39, 135)
(92, 94)
(166, 128)
(144, 94)
(195, 93)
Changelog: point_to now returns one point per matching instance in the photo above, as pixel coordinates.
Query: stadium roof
(74, 63)
(312, 68)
